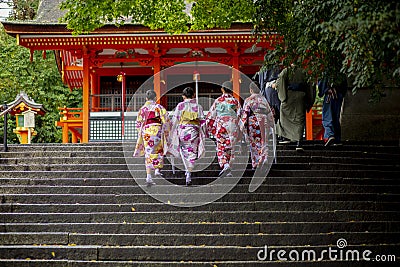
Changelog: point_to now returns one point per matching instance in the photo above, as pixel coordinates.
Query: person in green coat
(297, 97)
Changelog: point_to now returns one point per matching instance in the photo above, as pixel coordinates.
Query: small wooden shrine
(25, 109)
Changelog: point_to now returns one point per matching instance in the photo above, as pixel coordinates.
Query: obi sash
(189, 117)
(152, 118)
(259, 110)
(225, 109)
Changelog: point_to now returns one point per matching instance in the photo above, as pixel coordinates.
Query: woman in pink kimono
(187, 133)
(152, 124)
(222, 123)
(256, 122)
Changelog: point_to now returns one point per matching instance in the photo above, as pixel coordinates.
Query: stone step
(232, 197)
(203, 216)
(215, 206)
(265, 188)
(206, 173)
(145, 263)
(122, 160)
(175, 253)
(243, 183)
(205, 227)
(347, 145)
(280, 153)
(78, 205)
(124, 166)
(338, 173)
(188, 239)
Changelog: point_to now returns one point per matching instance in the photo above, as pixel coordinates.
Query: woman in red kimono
(153, 125)
(222, 123)
(256, 123)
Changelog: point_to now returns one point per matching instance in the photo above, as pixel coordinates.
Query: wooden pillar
(65, 138)
(85, 96)
(157, 78)
(163, 88)
(74, 138)
(236, 72)
(94, 90)
(309, 125)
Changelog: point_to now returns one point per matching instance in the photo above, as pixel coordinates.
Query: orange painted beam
(67, 68)
(157, 77)
(236, 76)
(309, 125)
(85, 96)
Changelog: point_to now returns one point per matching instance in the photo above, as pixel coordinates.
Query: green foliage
(41, 80)
(208, 14)
(86, 16)
(169, 15)
(357, 39)
(22, 9)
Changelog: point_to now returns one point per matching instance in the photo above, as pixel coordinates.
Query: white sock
(157, 172)
(188, 177)
(149, 178)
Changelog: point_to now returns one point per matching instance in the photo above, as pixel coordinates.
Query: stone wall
(365, 121)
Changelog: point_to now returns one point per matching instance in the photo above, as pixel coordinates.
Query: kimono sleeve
(201, 115)
(165, 121)
(140, 119)
(238, 108)
(282, 85)
(210, 119)
(244, 115)
(176, 116)
(310, 96)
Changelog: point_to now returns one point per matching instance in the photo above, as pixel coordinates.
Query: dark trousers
(331, 117)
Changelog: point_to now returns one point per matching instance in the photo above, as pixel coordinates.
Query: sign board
(29, 119)
(20, 120)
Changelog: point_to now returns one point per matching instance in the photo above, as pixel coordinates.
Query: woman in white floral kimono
(222, 123)
(256, 122)
(187, 139)
(153, 126)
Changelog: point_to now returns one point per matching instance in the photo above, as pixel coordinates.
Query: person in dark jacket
(297, 97)
(333, 93)
(270, 93)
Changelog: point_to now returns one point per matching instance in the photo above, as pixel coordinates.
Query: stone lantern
(25, 109)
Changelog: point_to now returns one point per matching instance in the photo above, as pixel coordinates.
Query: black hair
(254, 86)
(151, 95)
(227, 86)
(188, 92)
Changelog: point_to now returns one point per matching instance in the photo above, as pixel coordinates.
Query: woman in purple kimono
(152, 124)
(222, 123)
(187, 134)
(256, 122)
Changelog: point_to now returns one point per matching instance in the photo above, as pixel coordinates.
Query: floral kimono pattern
(222, 123)
(153, 126)
(187, 140)
(256, 121)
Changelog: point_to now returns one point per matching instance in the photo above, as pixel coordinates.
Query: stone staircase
(78, 205)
